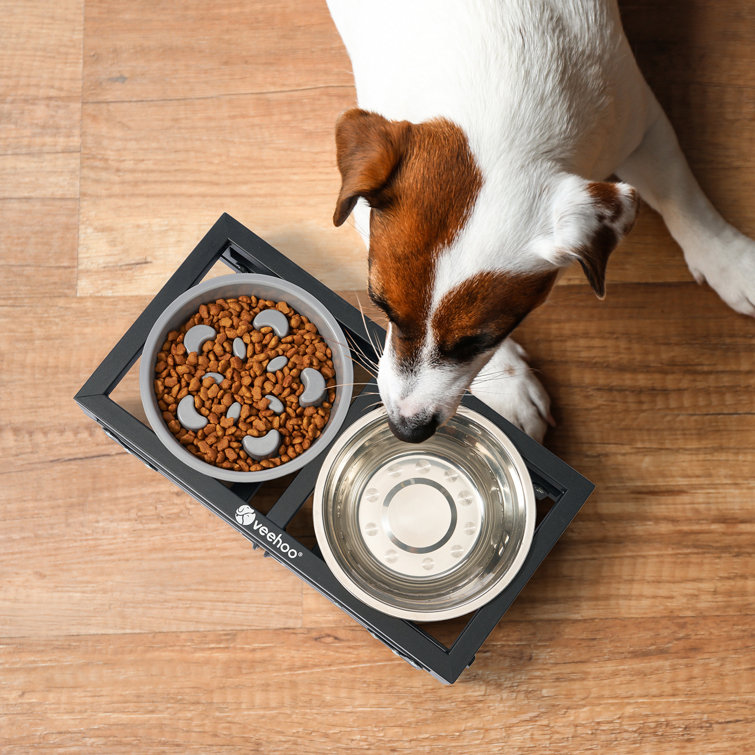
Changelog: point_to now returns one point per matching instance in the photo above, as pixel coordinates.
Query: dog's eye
(403, 330)
(380, 302)
(467, 347)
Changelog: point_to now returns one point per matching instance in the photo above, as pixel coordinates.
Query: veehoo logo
(246, 515)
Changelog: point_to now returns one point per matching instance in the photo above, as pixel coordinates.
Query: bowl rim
(154, 416)
(461, 609)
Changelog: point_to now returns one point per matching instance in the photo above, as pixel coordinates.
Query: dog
(476, 165)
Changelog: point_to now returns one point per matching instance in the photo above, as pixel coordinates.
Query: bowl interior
(426, 531)
(261, 286)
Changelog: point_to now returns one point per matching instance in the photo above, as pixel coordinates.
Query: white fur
(431, 389)
(549, 96)
(509, 386)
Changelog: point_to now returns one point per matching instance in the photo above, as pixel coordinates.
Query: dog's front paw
(727, 265)
(508, 385)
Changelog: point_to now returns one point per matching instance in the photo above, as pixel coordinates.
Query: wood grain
(133, 620)
(156, 175)
(204, 50)
(41, 51)
(563, 682)
(682, 43)
(39, 176)
(40, 142)
(39, 240)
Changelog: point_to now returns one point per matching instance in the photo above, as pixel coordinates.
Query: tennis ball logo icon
(245, 515)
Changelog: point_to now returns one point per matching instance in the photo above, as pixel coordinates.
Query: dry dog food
(246, 383)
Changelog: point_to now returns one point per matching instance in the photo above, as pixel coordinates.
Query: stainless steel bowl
(424, 532)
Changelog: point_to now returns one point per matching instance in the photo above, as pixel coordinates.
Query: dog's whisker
(374, 343)
(358, 355)
(373, 405)
(352, 385)
(492, 376)
(366, 329)
(364, 356)
(356, 226)
(381, 346)
(355, 383)
(361, 359)
(361, 352)
(350, 344)
(370, 368)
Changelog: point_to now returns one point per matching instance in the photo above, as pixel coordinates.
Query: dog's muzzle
(414, 429)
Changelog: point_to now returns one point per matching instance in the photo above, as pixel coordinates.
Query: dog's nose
(414, 429)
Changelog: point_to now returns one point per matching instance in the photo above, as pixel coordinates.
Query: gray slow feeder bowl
(265, 287)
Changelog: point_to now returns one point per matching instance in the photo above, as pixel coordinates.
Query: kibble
(244, 381)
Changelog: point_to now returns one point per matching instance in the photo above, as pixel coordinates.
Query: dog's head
(460, 253)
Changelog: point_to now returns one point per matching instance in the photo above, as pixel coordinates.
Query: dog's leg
(508, 385)
(714, 250)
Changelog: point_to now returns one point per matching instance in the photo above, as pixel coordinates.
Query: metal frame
(243, 251)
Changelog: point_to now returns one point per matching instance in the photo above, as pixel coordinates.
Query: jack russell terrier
(476, 165)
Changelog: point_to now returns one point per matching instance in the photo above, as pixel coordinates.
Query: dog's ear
(589, 220)
(368, 151)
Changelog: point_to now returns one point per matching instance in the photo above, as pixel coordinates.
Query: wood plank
(698, 58)
(71, 354)
(653, 413)
(39, 176)
(40, 91)
(678, 538)
(40, 108)
(205, 49)
(41, 51)
(38, 239)
(141, 165)
(156, 175)
(715, 125)
(684, 41)
(101, 544)
(39, 125)
(685, 463)
(539, 686)
(171, 194)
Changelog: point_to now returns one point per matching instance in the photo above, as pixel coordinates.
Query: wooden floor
(132, 620)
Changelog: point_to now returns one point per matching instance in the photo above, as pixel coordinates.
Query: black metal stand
(245, 252)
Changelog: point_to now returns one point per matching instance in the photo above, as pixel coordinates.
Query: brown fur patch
(489, 305)
(606, 196)
(368, 149)
(615, 221)
(594, 257)
(424, 207)
(421, 181)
